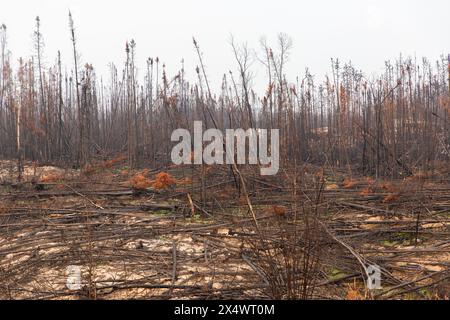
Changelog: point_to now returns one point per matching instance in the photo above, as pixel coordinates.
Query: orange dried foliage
(279, 210)
(51, 177)
(388, 186)
(140, 182)
(391, 198)
(108, 163)
(349, 183)
(446, 103)
(163, 181)
(366, 191)
(97, 166)
(112, 162)
(353, 293)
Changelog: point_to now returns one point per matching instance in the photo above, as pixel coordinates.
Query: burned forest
(92, 205)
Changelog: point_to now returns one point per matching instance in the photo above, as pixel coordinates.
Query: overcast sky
(365, 32)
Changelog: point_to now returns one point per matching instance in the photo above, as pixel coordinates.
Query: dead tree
(81, 157)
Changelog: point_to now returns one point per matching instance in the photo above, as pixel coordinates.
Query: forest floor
(185, 235)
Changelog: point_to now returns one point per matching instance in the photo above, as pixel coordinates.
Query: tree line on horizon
(388, 125)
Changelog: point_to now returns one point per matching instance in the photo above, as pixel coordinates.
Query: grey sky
(366, 32)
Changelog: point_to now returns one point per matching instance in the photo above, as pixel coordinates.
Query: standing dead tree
(81, 156)
(242, 57)
(388, 125)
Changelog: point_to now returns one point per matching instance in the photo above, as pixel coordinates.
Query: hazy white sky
(365, 32)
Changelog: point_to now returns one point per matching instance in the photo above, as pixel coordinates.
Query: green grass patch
(335, 274)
